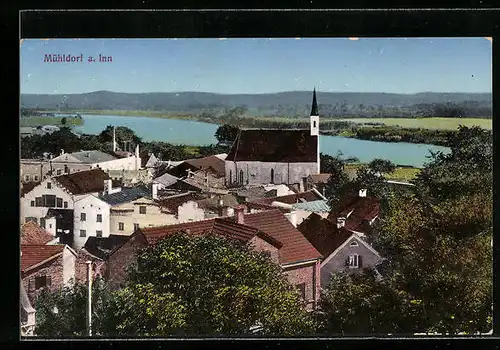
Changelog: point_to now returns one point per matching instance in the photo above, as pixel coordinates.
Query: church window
(272, 176)
(314, 123)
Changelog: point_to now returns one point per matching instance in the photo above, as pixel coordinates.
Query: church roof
(314, 109)
(274, 145)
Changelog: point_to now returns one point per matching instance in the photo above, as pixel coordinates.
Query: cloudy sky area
(260, 65)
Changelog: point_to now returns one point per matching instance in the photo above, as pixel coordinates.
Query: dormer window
(49, 185)
(354, 244)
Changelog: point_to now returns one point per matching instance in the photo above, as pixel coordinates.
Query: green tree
(64, 121)
(382, 166)
(226, 134)
(62, 313)
(122, 133)
(213, 286)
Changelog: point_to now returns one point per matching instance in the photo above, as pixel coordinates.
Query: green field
(427, 123)
(400, 174)
(36, 121)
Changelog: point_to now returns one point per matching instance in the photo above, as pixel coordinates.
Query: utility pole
(89, 298)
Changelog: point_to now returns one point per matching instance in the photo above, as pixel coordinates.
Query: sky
(391, 65)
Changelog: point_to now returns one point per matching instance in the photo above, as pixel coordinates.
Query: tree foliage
(215, 287)
(226, 134)
(437, 242)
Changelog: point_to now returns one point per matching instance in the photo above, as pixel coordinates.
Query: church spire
(314, 109)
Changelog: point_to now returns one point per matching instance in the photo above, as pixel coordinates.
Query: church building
(274, 156)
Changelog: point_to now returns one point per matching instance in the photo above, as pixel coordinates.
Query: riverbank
(434, 131)
(57, 121)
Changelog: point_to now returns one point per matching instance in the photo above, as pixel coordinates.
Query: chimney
(362, 193)
(114, 139)
(292, 217)
(340, 222)
(154, 190)
(240, 214)
(62, 152)
(108, 186)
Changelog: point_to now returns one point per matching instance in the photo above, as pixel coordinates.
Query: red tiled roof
(171, 204)
(362, 209)
(295, 246)
(31, 233)
(323, 234)
(274, 145)
(213, 162)
(84, 181)
(217, 226)
(28, 186)
(33, 254)
(307, 196)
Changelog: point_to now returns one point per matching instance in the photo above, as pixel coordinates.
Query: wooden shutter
(360, 261)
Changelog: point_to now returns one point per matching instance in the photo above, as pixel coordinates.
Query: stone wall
(116, 268)
(52, 268)
(255, 173)
(309, 275)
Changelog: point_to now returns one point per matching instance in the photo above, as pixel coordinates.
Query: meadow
(36, 121)
(435, 123)
(404, 174)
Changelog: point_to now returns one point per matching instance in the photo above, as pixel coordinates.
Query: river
(195, 133)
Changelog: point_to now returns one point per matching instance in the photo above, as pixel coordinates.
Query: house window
(136, 227)
(272, 176)
(36, 177)
(42, 281)
(230, 176)
(49, 200)
(353, 244)
(83, 217)
(59, 202)
(267, 254)
(32, 203)
(121, 226)
(83, 233)
(38, 202)
(27, 178)
(142, 209)
(65, 204)
(49, 185)
(241, 177)
(59, 171)
(42, 222)
(98, 233)
(31, 218)
(99, 218)
(354, 261)
(302, 290)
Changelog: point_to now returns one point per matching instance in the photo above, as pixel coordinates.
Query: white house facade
(91, 219)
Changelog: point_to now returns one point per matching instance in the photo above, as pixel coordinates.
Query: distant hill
(298, 101)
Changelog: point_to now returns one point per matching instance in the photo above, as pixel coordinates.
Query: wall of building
(34, 170)
(38, 212)
(128, 214)
(255, 173)
(116, 266)
(307, 274)
(58, 167)
(260, 245)
(189, 211)
(129, 163)
(81, 265)
(338, 262)
(91, 206)
(53, 268)
(69, 265)
(131, 176)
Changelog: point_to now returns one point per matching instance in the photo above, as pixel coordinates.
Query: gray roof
(25, 130)
(89, 157)
(166, 179)
(126, 195)
(320, 206)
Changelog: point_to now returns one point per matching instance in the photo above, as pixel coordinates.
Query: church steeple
(314, 109)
